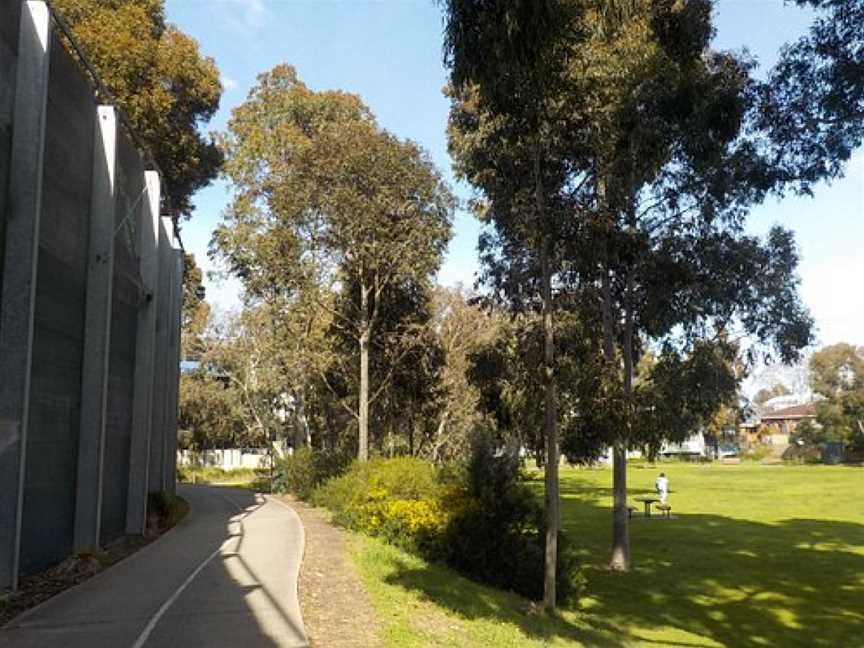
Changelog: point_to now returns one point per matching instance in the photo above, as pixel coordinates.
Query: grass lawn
(253, 479)
(756, 556)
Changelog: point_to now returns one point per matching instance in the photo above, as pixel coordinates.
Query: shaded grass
(756, 556)
(424, 604)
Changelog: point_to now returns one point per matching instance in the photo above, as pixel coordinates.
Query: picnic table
(648, 501)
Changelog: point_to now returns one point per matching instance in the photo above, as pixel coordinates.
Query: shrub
(496, 533)
(481, 519)
(183, 473)
(802, 454)
(397, 499)
(306, 469)
(757, 453)
(164, 510)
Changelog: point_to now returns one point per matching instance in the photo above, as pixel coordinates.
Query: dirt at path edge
(337, 610)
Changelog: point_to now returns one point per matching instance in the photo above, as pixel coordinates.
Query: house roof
(794, 412)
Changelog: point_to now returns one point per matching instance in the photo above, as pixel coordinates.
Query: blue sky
(389, 52)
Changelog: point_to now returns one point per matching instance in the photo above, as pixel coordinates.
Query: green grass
(757, 556)
(251, 478)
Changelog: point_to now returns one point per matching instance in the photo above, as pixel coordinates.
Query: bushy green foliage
(802, 454)
(481, 519)
(306, 469)
(364, 497)
(497, 533)
(756, 453)
(164, 510)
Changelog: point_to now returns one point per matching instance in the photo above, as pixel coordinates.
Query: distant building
(782, 402)
(781, 423)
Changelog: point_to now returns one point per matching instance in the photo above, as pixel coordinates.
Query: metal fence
(90, 300)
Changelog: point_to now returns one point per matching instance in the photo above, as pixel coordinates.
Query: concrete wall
(88, 269)
(8, 57)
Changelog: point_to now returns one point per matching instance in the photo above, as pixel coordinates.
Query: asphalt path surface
(225, 576)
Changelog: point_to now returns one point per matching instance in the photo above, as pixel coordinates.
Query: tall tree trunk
(621, 549)
(363, 399)
(553, 515)
(301, 424)
(411, 438)
(620, 560)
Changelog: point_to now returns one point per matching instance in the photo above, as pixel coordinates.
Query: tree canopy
(615, 163)
(813, 102)
(160, 80)
(330, 208)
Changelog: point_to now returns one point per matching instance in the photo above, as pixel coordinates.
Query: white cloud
(832, 290)
(228, 83)
(255, 12)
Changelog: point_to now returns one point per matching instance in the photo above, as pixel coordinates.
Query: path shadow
(229, 603)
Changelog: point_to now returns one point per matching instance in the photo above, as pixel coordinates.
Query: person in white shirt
(662, 486)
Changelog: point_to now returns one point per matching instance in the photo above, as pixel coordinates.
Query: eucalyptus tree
(650, 166)
(837, 374)
(461, 327)
(406, 360)
(813, 102)
(195, 314)
(667, 145)
(506, 59)
(324, 199)
(158, 76)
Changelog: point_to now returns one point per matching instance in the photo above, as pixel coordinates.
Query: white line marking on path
(151, 625)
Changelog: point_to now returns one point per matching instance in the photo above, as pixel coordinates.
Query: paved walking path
(225, 576)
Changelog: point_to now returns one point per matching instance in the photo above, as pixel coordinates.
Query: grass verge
(250, 478)
(755, 556)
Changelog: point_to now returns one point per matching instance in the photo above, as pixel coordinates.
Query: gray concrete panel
(58, 332)
(97, 335)
(139, 453)
(19, 276)
(11, 12)
(126, 301)
(174, 371)
(158, 458)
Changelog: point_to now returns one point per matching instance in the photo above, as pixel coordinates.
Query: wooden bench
(666, 509)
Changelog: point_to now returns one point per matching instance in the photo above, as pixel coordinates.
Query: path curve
(225, 576)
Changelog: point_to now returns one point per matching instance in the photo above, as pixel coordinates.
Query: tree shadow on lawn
(473, 601)
(741, 583)
(794, 582)
(797, 582)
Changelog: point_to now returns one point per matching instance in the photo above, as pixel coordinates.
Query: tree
(406, 360)
(505, 59)
(195, 314)
(767, 393)
(461, 328)
(837, 374)
(670, 172)
(160, 81)
(654, 166)
(211, 412)
(505, 372)
(837, 369)
(813, 102)
(318, 182)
